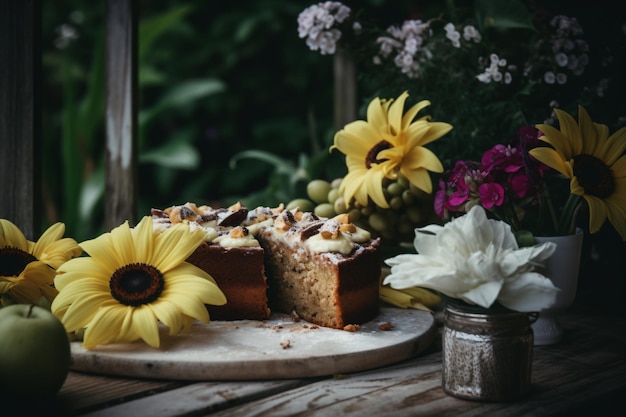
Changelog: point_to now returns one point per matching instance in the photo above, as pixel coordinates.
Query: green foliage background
(233, 104)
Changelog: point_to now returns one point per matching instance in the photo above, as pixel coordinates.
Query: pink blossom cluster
(505, 181)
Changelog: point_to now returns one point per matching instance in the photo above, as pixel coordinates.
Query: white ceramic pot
(563, 269)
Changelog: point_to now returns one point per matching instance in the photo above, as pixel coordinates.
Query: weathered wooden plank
(85, 392)
(198, 399)
(121, 113)
(327, 397)
(20, 114)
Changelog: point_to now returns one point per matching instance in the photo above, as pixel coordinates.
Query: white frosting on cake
(303, 231)
(227, 241)
(318, 244)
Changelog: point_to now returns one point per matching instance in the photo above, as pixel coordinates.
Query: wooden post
(20, 115)
(121, 113)
(345, 88)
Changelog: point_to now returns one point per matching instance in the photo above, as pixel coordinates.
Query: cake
(230, 254)
(324, 271)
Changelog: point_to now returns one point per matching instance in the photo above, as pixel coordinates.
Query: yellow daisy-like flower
(27, 268)
(594, 162)
(389, 143)
(134, 278)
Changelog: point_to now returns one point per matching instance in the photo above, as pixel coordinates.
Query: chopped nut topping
(284, 221)
(193, 207)
(180, 213)
(235, 217)
(279, 209)
(342, 218)
(309, 217)
(238, 232)
(310, 230)
(330, 230)
(157, 213)
(349, 227)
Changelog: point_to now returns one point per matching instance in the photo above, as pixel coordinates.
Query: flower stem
(567, 223)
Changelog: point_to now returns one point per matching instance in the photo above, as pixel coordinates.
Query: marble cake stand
(273, 349)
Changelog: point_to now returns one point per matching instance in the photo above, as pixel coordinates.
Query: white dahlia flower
(476, 260)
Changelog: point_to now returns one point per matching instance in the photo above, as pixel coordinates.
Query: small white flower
(561, 78)
(549, 77)
(471, 33)
(561, 59)
(484, 78)
(477, 260)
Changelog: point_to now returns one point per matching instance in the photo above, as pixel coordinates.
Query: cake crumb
(351, 327)
(285, 344)
(294, 316)
(385, 326)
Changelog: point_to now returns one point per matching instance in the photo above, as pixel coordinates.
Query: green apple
(34, 353)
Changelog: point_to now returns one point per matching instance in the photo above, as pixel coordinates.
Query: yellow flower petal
(102, 251)
(105, 327)
(12, 236)
(553, 159)
(52, 234)
(422, 158)
(420, 178)
(176, 244)
(615, 148)
(168, 314)
(143, 233)
(143, 323)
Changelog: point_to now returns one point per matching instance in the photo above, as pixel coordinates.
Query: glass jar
(487, 355)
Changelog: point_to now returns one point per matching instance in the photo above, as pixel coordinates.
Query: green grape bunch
(409, 208)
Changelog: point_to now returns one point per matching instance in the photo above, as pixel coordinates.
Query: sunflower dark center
(136, 284)
(372, 155)
(13, 261)
(594, 176)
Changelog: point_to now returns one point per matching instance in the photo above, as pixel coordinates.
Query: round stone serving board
(277, 348)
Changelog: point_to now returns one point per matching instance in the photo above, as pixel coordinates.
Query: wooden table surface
(586, 372)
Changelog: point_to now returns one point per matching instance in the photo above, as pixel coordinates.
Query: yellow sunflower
(134, 278)
(595, 163)
(27, 269)
(389, 143)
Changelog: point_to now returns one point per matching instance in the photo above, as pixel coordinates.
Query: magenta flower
(491, 194)
(507, 182)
